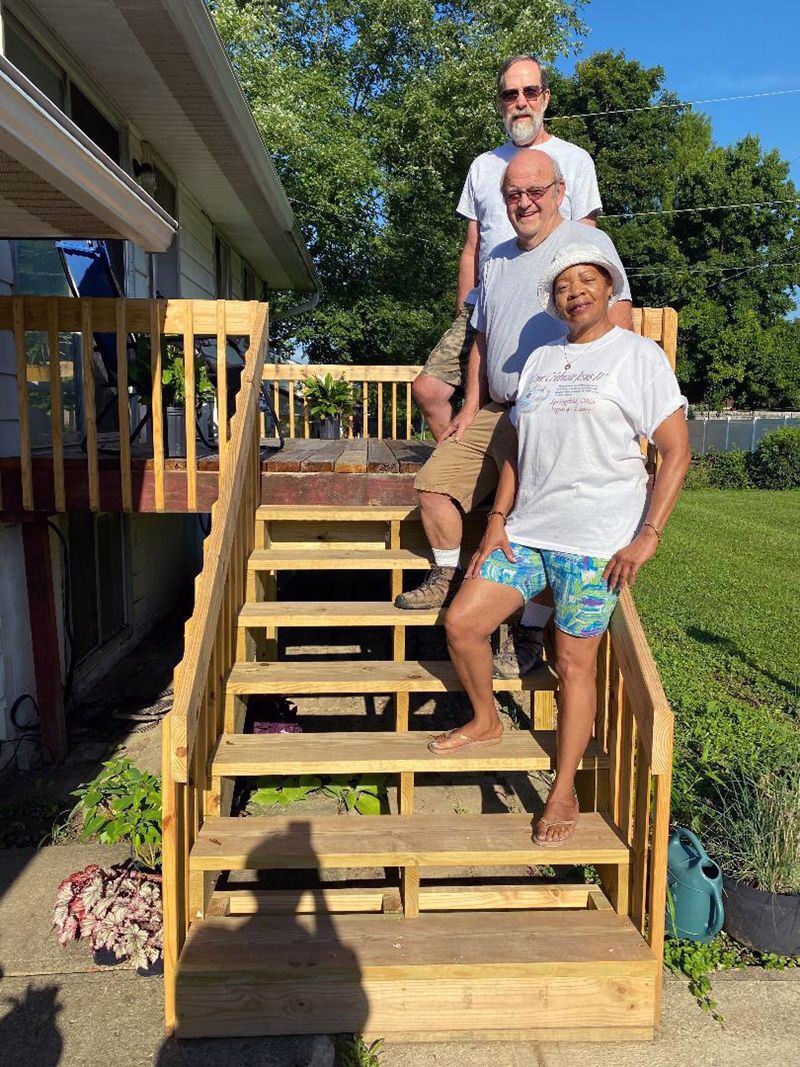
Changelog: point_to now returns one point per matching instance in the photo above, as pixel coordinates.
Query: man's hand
(622, 568)
(494, 538)
(459, 424)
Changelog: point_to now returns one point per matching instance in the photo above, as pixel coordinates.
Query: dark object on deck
(175, 432)
(329, 428)
(767, 922)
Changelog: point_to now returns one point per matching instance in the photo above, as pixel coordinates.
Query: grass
(719, 603)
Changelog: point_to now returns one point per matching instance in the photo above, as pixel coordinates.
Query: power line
(709, 269)
(682, 103)
(693, 210)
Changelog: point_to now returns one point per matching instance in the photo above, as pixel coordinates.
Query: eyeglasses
(513, 196)
(530, 92)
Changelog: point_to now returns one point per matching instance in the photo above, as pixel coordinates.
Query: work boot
(436, 591)
(520, 652)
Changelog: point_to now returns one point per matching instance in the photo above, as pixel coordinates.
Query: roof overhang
(163, 66)
(55, 182)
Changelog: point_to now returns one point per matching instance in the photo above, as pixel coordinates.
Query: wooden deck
(346, 472)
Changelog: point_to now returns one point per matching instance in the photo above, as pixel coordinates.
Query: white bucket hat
(569, 256)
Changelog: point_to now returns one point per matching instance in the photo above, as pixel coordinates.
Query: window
(98, 568)
(34, 63)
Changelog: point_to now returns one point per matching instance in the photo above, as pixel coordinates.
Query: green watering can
(694, 889)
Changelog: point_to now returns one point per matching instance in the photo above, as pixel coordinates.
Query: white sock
(447, 557)
(535, 615)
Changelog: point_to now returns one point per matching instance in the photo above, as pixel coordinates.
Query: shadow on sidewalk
(29, 1034)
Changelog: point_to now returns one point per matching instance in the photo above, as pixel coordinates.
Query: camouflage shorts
(448, 360)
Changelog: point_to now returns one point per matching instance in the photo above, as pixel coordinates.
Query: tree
(373, 110)
(729, 273)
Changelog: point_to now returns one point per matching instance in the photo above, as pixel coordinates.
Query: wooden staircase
(413, 957)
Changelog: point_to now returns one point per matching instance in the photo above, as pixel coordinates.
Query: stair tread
(368, 676)
(273, 842)
(376, 946)
(335, 613)
(331, 513)
(383, 753)
(338, 558)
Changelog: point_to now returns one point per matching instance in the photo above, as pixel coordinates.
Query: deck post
(44, 636)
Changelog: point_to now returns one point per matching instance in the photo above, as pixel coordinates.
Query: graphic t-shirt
(508, 309)
(580, 411)
(482, 201)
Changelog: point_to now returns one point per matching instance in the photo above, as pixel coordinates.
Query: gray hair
(522, 59)
(558, 176)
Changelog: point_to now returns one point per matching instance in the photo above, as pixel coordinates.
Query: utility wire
(742, 268)
(680, 103)
(695, 210)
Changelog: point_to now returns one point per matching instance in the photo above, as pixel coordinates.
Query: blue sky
(709, 48)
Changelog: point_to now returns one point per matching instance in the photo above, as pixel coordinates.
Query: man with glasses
(522, 97)
(509, 325)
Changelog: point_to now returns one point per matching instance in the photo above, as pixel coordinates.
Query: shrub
(124, 804)
(775, 464)
(698, 474)
(727, 470)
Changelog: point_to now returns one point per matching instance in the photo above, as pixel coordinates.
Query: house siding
(9, 423)
(196, 249)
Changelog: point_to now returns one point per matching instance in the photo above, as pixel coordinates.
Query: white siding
(196, 249)
(236, 276)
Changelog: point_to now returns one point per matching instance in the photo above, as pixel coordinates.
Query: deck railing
(198, 714)
(116, 350)
(80, 366)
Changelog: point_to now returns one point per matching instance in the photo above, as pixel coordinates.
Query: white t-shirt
(481, 200)
(582, 476)
(508, 309)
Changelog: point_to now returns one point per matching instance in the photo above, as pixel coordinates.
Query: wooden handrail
(201, 628)
(301, 372)
(643, 688)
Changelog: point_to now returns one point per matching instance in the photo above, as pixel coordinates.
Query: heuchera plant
(116, 908)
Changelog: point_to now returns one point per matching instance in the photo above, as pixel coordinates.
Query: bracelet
(655, 529)
(494, 511)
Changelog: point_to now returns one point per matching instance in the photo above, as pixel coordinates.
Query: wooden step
(383, 753)
(368, 676)
(338, 559)
(335, 613)
(349, 841)
(335, 513)
(541, 975)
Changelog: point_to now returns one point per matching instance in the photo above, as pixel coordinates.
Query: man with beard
(522, 97)
(509, 326)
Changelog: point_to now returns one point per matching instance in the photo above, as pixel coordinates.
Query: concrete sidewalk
(58, 1008)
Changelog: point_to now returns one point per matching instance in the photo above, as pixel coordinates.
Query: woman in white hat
(573, 512)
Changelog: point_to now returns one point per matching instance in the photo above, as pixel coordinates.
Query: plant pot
(104, 957)
(330, 428)
(175, 433)
(152, 970)
(767, 922)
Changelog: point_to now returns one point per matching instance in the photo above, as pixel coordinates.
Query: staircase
(413, 957)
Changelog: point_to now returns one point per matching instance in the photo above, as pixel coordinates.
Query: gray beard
(523, 130)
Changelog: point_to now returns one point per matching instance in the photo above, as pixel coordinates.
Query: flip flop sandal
(466, 742)
(546, 824)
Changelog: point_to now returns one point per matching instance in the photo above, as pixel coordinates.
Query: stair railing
(197, 718)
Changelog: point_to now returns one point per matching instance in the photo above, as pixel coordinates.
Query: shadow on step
(272, 972)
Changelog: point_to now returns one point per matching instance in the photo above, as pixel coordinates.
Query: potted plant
(118, 910)
(756, 837)
(329, 399)
(173, 390)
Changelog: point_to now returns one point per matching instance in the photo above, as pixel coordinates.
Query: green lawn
(720, 603)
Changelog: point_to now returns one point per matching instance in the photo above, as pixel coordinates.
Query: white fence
(736, 430)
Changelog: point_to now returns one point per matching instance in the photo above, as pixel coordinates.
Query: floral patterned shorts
(584, 602)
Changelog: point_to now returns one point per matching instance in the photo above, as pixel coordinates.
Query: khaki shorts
(448, 360)
(468, 470)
